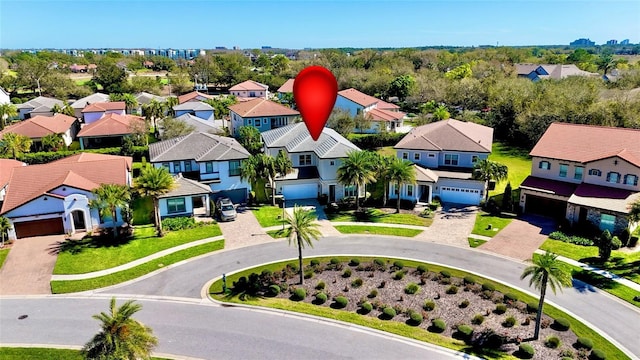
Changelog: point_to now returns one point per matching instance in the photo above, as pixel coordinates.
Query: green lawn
(3, 256)
(17, 353)
(87, 255)
(268, 215)
(518, 162)
(377, 230)
(62, 287)
(387, 151)
(276, 234)
(142, 206)
(379, 216)
(474, 243)
(483, 220)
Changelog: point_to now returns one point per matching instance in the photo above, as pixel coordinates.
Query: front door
(78, 220)
(424, 193)
(582, 216)
(332, 193)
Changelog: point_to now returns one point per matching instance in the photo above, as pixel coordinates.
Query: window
(607, 222)
(252, 94)
(631, 179)
(544, 165)
(187, 166)
(208, 167)
(577, 175)
(613, 177)
(405, 155)
(177, 167)
(166, 166)
(332, 163)
(234, 167)
(474, 159)
(563, 170)
(176, 205)
(350, 190)
(249, 122)
(432, 155)
(409, 190)
(416, 156)
(304, 160)
(451, 159)
(595, 172)
(265, 121)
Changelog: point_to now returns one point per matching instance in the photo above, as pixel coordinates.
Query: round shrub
(510, 297)
(532, 307)
(321, 285)
(429, 305)
(469, 280)
(346, 273)
(341, 302)
(273, 291)
(308, 274)
(464, 304)
(415, 318)
(438, 325)
(398, 264)
(266, 272)
(321, 298)
(334, 261)
(398, 275)
(315, 262)
(388, 313)
(452, 289)
(380, 263)
(356, 283)
(373, 294)
(510, 321)
(526, 351)
(354, 262)
(500, 309)
(488, 286)
(293, 267)
(552, 342)
(366, 307)
(584, 343)
(445, 274)
(445, 281)
(616, 243)
(412, 288)
(597, 354)
(477, 319)
(465, 331)
(299, 294)
(561, 324)
(422, 269)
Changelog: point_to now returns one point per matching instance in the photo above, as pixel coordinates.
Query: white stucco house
(81, 103)
(381, 115)
(95, 111)
(250, 89)
(262, 114)
(40, 126)
(186, 196)
(196, 108)
(4, 96)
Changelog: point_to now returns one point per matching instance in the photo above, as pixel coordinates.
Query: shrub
(308, 274)
(398, 264)
(445, 281)
(465, 331)
(354, 262)
(488, 287)
(373, 294)
(356, 283)
(566, 353)
(422, 269)
(597, 354)
(178, 223)
(500, 309)
(380, 263)
(470, 280)
(334, 261)
(532, 307)
(321, 285)
(299, 294)
(415, 318)
(616, 243)
(452, 289)
(552, 342)
(273, 290)
(340, 302)
(429, 305)
(346, 273)
(510, 321)
(561, 324)
(445, 274)
(584, 343)
(526, 351)
(398, 275)
(388, 313)
(477, 319)
(411, 288)
(464, 303)
(438, 325)
(510, 297)
(315, 262)
(321, 298)
(366, 307)
(558, 235)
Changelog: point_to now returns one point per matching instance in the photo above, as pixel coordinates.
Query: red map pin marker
(315, 90)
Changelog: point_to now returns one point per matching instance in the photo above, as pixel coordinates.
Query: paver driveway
(27, 270)
(245, 230)
(451, 225)
(521, 237)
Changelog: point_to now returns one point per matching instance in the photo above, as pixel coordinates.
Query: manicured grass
(518, 162)
(268, 215)
(61, 287)
(379, 216)
(572, 251)
(377, 230)
(577, 327)
(276, 234)
(142, 207)
(90, 257)
(17, 353)
(483, 220)
(387, 151)
(474, 243)
(3, 256)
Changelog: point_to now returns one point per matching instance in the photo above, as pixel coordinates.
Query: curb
(77, 347)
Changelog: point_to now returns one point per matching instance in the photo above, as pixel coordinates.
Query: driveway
(326, 228)
(245, 230)
(452, 225)
(521, 237)
(28, 268)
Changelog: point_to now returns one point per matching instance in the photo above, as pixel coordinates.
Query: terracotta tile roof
(287, 87)
(192, 96)
(6, 166)
(450, 135)
(93, 98)
(87, 157)
(29, 182)
(261, 107)
(111, 124)
(553, 187)
(586, 143)
(603, 197)
(249, 85)
(358, 97)
(105, 106)
(387, 106)
(384, 115)
(40, 126)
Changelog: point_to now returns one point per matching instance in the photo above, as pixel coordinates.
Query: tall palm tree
(356, 169)
(7, 111)
(5, 225)
(545, 271)
(130, 100)
(282, 166)
(108, 198)
(487, 170)
(14, 145)
(153, 111)
(441, 113)
(301, 230)
(402, 172)
(120, 336)
(170, 103)
(154, 182)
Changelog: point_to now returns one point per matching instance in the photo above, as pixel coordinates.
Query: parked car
(225, 209)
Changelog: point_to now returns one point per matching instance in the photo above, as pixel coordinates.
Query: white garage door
(300, 191)
(460, 195)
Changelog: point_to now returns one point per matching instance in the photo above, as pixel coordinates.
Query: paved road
(206, 331)
(614, 318)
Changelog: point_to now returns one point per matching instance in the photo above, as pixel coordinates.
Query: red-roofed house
(109, 131)
(95, 111)
(383, 116)
(585, 174)
(54, 198)
(261, 113)
(286, 88)
(40, 126)
(6, 166)
(194, 96)
(250, 89)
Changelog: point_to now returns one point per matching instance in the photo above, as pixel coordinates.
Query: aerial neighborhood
(118, 163)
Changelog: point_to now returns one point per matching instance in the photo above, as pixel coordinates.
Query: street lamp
(283, 207)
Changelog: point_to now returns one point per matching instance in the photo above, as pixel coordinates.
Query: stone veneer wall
(621, 223)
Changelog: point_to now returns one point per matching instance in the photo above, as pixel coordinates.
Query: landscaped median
(22, 353)
(376, 229)
(378, 222)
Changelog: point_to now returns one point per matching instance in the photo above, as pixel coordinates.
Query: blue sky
(311, 23)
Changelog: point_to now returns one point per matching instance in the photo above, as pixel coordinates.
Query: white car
(225, 209)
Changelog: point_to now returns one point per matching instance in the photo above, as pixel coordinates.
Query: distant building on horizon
(582, 42)
(624, 42)
(612, 42)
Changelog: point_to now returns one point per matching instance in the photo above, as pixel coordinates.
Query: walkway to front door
(521, 237)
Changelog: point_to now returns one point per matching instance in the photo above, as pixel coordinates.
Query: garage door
(544, 206)
(460, 195)
(300, 191)
(39, 227)
(237, 196)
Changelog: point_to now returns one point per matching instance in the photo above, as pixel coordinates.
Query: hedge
(371, 142)
(44, 157)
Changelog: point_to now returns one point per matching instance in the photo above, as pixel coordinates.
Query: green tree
(402, 86)
(507, 197)
(153, 111)
(402, 172)
(221, 105)
(634, 212)
(154, 182)
(282, 166)
(249, 137)
(31, 71)
(170, 103)
(5, 225)
(53, 142)
(459, 72)
(301, 230)
(252, 171)
(130, 101)
(341, 121)
(7, 112)
(14, 145)
(172, 128)
(487, 170)
(605, 245)
(112, 78)
(441, 113)
(356, 169)
(121, 337)
(606, 62)
(108, 198)
(381, 165)
(545, 271)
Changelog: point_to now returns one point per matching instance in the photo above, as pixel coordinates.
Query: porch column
(81, 143)
(205, 199)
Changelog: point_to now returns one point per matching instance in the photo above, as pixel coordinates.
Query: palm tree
(382, 165)
(7, 111)
(5, 225)
(441, 113)
(487, 170)
(282, 166)
(170, 103)
(546, 270)
(301, 230)
(154, 182)
(402, 172)
(120, 336)
(356, 169)
(153, 111)
(14, 145)
(108, 198)
(634, 212)
(53, 142)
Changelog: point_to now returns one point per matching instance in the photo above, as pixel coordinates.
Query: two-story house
(39, 126)
(109, 131)
(286, 88)
(315, 163)
(6, 165)
(210, 159)
(261, 113)
(250, 89)
(381, 115)
(194, 96)
(196, 108)
(95, 111)
(39, 106)
(81, 103)
(444, 153)
(585, 174)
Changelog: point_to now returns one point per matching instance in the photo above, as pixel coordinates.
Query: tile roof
(295, 138)
(193, 96)
(200, 125)
(449, 135)
(40, 101)
(249, 85)
(144, 98)
(358, 97)
(387, 106)
(29, 182)
(198, 146)
(6, 166)
(185, 187)
(93, 98)
(111, 124)
(553, 71)
(105, 106)
(194, 105)
(424, 174)
(604, 197)
(384, 115)
(88, 157)
(548, 186)
(287, 87)
(261, 107)
(586, 143)
(40, 126)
